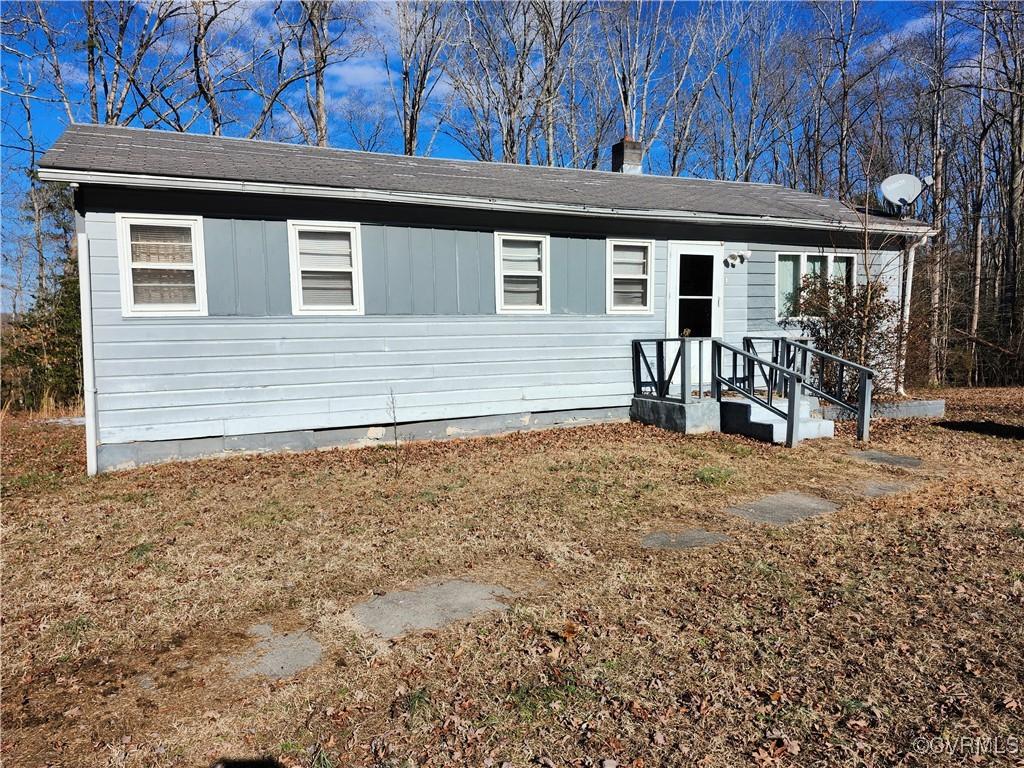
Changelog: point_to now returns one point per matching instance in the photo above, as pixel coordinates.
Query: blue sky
(362, 80)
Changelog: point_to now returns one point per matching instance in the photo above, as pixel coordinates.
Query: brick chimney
(628, 157)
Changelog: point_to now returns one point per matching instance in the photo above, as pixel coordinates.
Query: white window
(162, 265)
(630, 266)
(792, 268)
(326, 268)
(521, 263)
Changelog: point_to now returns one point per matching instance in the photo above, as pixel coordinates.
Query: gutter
(454, 201)
(908, 287)
(88, 368)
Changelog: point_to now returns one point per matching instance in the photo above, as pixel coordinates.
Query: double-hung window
(629, 276)
(162, 265)
(326, 268)
(792, 268)
(522, 267)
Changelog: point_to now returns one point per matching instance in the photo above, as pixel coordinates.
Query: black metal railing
(780, 356)
(671, 369)
(834, 379)
(732, 369)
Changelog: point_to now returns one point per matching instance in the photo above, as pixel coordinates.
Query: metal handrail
(771, 379)
(829, 356)
(865, 381)
(745, 385)
(663, 372)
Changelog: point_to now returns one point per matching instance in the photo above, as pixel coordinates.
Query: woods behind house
(827, 97)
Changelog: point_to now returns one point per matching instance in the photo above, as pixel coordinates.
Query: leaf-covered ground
(842, 640)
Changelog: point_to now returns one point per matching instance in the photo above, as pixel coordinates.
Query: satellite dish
(901, 190)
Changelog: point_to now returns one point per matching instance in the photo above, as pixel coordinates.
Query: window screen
(522, 272)
(163, 270)
(842, 269)
(631, 269)
(326, 268)
(788, 284)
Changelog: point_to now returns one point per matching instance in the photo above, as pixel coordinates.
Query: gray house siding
(761, 317)
(430, 334)
(177, 378)
(245, 273)
(407, 271)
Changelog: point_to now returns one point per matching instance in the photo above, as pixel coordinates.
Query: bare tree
(587, 102)
(423, 31)
(558, 25)
(494, 81)
(697, 53)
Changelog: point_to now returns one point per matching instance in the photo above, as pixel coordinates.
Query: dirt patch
(884, 457)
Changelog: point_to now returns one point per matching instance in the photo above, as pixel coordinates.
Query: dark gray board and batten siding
(406, 271)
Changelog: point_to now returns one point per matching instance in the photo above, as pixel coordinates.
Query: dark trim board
(117, 456)
(269, 208)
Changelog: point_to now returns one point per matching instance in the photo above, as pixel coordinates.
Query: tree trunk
(978, 204)
(935, 375)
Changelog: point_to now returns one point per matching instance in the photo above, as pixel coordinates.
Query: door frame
(713, 248)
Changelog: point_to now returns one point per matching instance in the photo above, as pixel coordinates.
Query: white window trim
(610, 307)
(830, 257)
(353, 228)
(545, 274)
(122, 223)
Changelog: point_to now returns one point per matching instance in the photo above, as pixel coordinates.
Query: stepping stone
(884, 457)
(876, 488)
(145, 682)
(691, 537)
(783, 508)
(431, 607)
(277, 654)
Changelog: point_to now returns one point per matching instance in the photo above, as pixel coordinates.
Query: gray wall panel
(406, 271)
(375, 282)
(468, 266)
(485, 257)
(279, 287)
(247, 267)
(421, 266)
(251, 268)
(221, 278)
(398, 258)
(446, 273)
(559, 275)
(595, 275)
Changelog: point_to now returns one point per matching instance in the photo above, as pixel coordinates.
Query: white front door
(695, 288)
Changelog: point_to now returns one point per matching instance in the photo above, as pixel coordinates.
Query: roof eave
(74, 176)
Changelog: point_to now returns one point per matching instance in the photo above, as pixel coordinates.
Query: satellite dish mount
(901, 191)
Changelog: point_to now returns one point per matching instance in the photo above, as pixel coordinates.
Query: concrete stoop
(733, 416)
(742, 417)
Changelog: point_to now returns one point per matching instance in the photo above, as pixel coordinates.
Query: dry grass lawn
(840, 640)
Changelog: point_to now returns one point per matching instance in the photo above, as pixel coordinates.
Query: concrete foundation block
(689, 418)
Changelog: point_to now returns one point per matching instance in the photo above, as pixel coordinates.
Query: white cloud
(358, 73)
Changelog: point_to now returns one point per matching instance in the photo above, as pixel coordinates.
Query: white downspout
(88, 373)
(908, 287)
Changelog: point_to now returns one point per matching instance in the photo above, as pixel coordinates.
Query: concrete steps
(742, 417)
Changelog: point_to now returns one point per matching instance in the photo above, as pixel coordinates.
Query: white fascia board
(456, 201)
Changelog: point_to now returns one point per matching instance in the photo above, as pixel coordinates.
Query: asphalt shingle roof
(120, 150)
